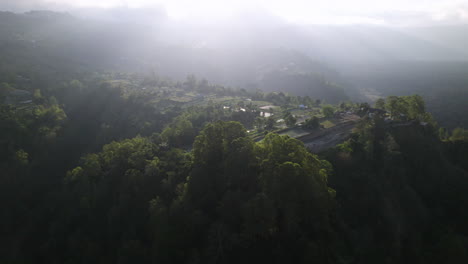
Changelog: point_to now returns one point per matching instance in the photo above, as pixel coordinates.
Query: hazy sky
(390, 12)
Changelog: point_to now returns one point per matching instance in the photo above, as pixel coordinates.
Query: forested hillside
(125, 168)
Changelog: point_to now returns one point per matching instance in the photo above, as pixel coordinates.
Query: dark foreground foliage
(104, 171)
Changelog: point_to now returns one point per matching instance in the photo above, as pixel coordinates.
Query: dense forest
(101, 163)
(117, 168)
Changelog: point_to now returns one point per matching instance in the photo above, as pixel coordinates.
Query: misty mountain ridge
(253, 52)
(336, 43)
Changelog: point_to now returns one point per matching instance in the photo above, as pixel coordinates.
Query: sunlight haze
(387, 12)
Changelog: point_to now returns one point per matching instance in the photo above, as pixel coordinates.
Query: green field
(328, 124)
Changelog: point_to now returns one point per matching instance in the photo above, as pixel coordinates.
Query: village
(318, 124)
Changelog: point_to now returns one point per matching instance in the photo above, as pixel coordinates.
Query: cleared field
(330, 139)
(328, 124)
(182, 99)
(261, 103)
(267, 107)
(295, 132)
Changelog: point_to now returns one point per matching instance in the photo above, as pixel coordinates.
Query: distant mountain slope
(454, 37)
(444, 85)
(325, 62)
(370, 43)
(60, 41)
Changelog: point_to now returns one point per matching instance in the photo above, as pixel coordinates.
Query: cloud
(454, 15)
(389, 12)
(447, 15)
(27, 5)
(14, 5)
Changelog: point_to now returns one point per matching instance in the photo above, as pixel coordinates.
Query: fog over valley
(246, 46)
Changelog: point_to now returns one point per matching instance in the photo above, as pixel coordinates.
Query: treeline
(229, 200)
(413, 107)
(305, 85)
(43, 138)
(401, 192)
